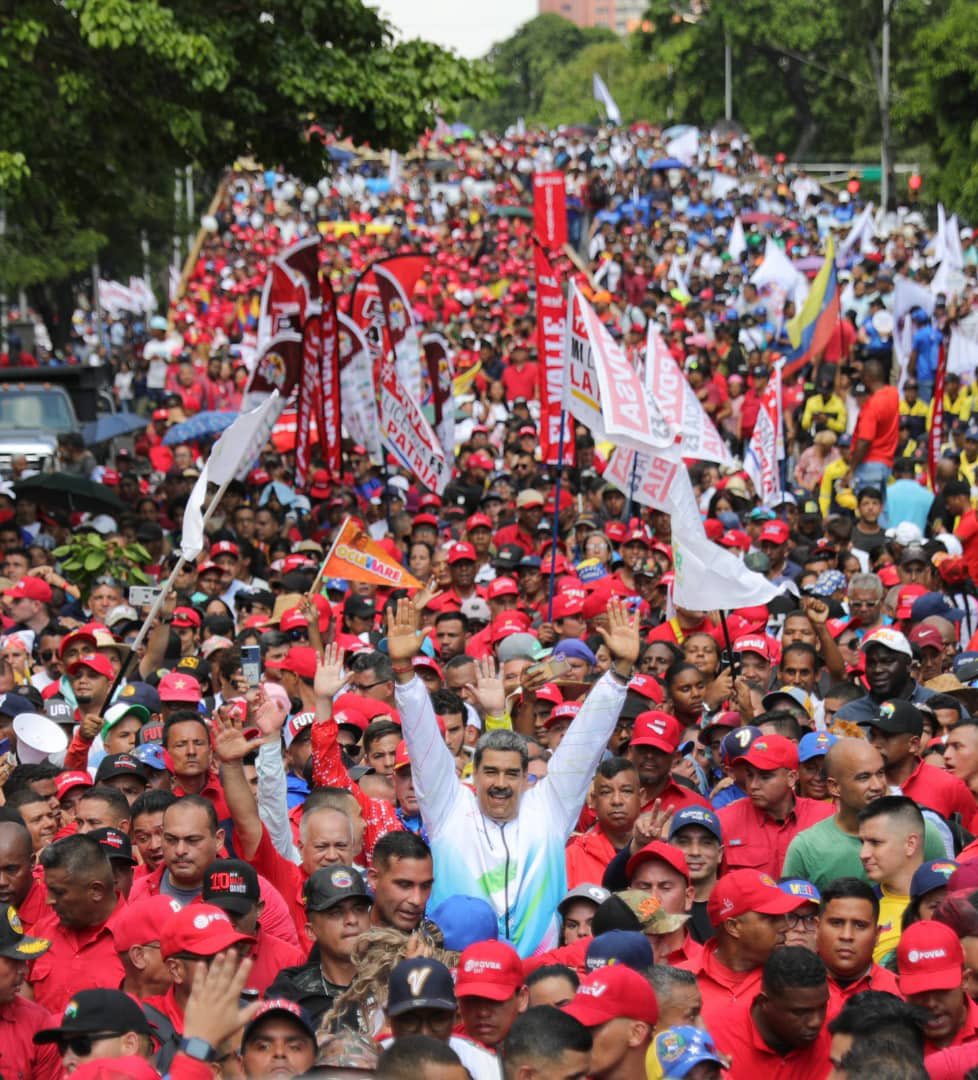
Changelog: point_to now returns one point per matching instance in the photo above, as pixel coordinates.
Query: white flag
(761, 459)
(239, 444)
(603, 94)
(710, 578)
(862, 229)
(952, 244)
(778, 269)
(737, 244)
(358, 399)
(659, 480)
(685, 147)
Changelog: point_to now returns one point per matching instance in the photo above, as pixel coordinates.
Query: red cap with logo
(66, 781)
(740, 891)
(30, 588)
(142, 921)
(402, 759)
(774, 532)
(565, 710)
(94, 662)
(513, 622)
(929, 957)
(425, 519)
(224, 547)
(755, 643)
(184, 618)
(489, 969)
(300, 660)
(613, 992)
(658, 729)
(566, 607)
(176, 687)
(666, 853)
(502, 586)
(648, 687)
(772, 752)
(199, 930)
(461, 551)
(478, 521)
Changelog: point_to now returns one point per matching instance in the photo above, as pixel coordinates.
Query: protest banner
(357, 395)
(550, 209)
(551, 325)
(355, 557)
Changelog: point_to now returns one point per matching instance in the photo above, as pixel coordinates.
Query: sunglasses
(81, 1045)
(47, 655)
(298, 634)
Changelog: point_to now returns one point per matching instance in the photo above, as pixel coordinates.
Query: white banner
(710, 578)
(408, 435)
(761, 459)
(737, 244)
(358, 402)
(679, 404)
(657, 480)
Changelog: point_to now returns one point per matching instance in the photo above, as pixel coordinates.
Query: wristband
(623, 679)
(198, 1049)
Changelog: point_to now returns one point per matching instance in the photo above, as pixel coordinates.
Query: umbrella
(111, 426)
(66, 491)
(667, 163)
(201, 426)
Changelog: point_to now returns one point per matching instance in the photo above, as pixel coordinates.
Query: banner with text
(550, 209)
(357, 394)
(439, 362)
(551, 324)
(329, 414)
(355, 557)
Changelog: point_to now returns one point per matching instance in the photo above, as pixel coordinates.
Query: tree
(523, 62)
(103, 99)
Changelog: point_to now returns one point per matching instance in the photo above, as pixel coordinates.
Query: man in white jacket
(505, 841)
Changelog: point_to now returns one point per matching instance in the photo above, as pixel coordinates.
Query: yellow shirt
(917, 409)
(892, 907)
(834, 472)
(834, 408)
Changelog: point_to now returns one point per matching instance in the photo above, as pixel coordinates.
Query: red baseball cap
(320, 487)
(666, 853)
(772, 752)
(612, 992)
(429, 499)
(929, 957)
(905, 599)
(736, 538)
(94, 662)
(647, 686)
(176, 687)
(502, 586)
(208, 567)
(83, 633)
(301, 660)
(775, 532)
(64, 782)
(459, 552)
(713, 528)
(402, 759)
(740, 891)
(224, 547)
(199, 930)
(616, 531)
(185, 617)
(425, 519)
(478, 521)
(567, 606)
(550, 692)
(658, 729)
(925, 636)
(428, 662)
(757, 643)
(564, 710)
(489, 969)
(30, 588)
(141, 922)
(351, 716)
(292, 619)
(481, 460)
(513, 622)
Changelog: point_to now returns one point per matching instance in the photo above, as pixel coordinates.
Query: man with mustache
(506, 841)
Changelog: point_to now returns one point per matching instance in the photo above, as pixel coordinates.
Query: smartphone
(251, 664)
(550, 668)
(4, 747)
(142, 595)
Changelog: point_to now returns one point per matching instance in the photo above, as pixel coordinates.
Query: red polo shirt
(269, 956)
(284, 875)
(513, 534)
(588, 856)
(167, 1005)
(719, 985)
(672, 632)
(212, 790)
(77, 960)
(754, 840)
(967, 1033)
(941, 792)
(877, 978)
(20, 1059)
(676, 797)
(879, 424)
(736, 1034)
(689, 954)
(521, 382)
(35, 905)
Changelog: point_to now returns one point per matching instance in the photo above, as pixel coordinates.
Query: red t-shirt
(736, 1035)
(879, 424)
(523, 383)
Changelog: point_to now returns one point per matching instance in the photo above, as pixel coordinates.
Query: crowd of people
(533, 819)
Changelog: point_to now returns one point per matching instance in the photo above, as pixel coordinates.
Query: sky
(467, 28)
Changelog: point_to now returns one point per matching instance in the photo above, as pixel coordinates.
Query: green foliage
(940, 105)
(87, 556)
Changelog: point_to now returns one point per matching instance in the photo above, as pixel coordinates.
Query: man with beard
(889, 657)
(654, 750)
(830, 849)
(782, 1030)
(91, 679)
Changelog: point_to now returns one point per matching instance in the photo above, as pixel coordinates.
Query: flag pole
(631, 487)
(321, 572)
(555, 529)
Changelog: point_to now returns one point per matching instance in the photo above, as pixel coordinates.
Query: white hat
(905, 533)
(38, 738)
(103, 524)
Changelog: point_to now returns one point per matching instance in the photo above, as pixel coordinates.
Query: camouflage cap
(347, 1050)
(648, 911)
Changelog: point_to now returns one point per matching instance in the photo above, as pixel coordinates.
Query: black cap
(359, 607)
(956, 487)
(196, 666)
(115, 844)
(13, 705)
(508, 557)
(90, 1011)
(420, 983)
(114, 765)
(280, 1007)
(14, 943)
(897, 718)
(232, 885)
(327, 887)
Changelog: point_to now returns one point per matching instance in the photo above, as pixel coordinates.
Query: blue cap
(934, 603)
(576, 650)
(828, 582)
(13, 705)
(140, 693)
(761, 513)
(337, 584)
(464, 920)
(930, 876)
(150, 755)
(815, 744)
(628, 947)
(420, 983)
(918, 315)
(529, 562)
(800, 887)
(736, 743)
(681, 1049)
(844, 441)
(696, 815)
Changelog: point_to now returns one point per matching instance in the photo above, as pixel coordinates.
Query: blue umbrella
(111, 426)
(201, 426)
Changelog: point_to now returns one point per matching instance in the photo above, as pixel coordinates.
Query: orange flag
(355, 557)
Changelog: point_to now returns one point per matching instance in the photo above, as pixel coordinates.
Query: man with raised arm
(505, 841)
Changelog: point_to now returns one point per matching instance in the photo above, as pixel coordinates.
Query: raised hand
(488, 687)
(423, 597)
(330, 676)
(213, 1013)
(621, 635)
(403, 641)
(652, 825)
(230, 742)
(816, 610)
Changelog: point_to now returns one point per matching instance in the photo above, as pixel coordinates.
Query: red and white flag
(669, 387)
(438, 358)
(407, 433)
(402, 332)
(550, 209)
(551, 324)
(602, 389)
(761, 459)
(358, 395)
(366, 308)
(308, 394)
(328, 416)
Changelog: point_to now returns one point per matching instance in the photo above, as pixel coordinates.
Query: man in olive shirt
(830, 848)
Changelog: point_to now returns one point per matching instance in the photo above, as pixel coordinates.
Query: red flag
(308, 395)
(329, 381)
(283, 302)
(551, 320)
(439, 362)
(303, 260)
(935, 437)
(278, 365)
(366, 309)
(550, 209)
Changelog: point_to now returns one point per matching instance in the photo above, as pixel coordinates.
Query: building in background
(621, 16)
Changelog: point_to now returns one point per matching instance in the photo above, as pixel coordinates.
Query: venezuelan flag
(809, 331)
